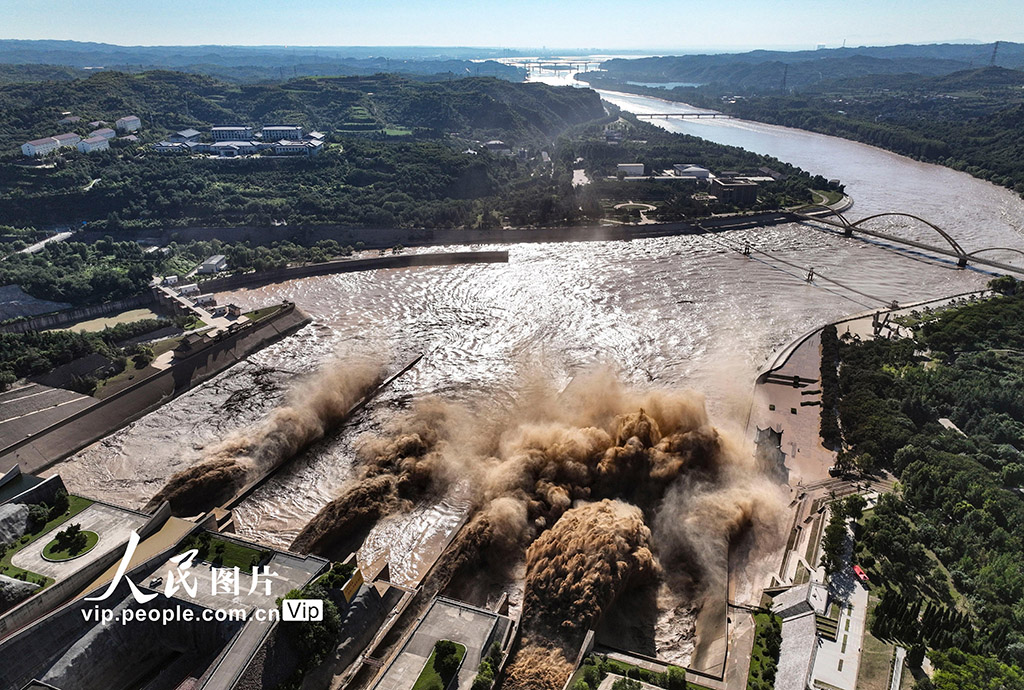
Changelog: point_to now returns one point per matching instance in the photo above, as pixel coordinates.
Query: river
(672, 312)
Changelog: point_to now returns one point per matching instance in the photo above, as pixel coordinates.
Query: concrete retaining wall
(93, 423)
(62, 318)
(43, 492)
(350, 265)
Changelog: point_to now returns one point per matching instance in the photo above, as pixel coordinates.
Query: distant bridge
(828, 216)
(695, 116)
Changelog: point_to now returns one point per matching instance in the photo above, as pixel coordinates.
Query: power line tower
(785, 73)
(995, 49)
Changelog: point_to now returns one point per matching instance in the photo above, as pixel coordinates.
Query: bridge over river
(828, 216)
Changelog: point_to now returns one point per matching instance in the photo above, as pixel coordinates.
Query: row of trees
(830, 434)
(954, 502)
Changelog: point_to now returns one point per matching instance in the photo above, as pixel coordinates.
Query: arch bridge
(824, 214)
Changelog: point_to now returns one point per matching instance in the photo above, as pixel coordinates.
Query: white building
(190, 289)
(229, 149)
(213, 264)
(170, 147)
(40, 147)
(631, 169)
(185, 136)
(205, 301)
(67, 140)
(105, 132)
(279, 132)
(298, 148)
(128, 123)
(690, 170)
(93, 144)
(231, 133)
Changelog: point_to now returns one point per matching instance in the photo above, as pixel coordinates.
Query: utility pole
(995, 49)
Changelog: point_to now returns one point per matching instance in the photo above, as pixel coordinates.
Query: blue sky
(623, 24)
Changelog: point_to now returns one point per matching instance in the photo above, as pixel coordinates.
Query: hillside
(169, 101)
(765, 70)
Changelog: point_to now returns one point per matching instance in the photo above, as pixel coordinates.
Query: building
(230, 149)
(279, 132)
(128, 124)
(298, 148)
(170, 147)
(498, 146)
(184, 136)
(213, 264)
(630, 169)
(94, 144)
(205, 301)
(105, 132)
(39, 147)
(187, 290)
(691, 170)
(69, 120)
(736, 192)
(315, 135)
(67, 140)
(231, 133)
(96, 124)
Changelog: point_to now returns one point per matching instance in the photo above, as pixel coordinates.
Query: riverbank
(387, 238)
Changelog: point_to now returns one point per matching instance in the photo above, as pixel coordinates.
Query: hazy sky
(623, 24)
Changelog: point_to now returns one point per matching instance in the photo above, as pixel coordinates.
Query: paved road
(111, 524)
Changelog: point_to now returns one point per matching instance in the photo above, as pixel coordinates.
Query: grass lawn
(193, 323)
(875, 658)
(258, 314)
(760, 659)
(51, 552)
(76, 504)
(429, 678)
(225, 554)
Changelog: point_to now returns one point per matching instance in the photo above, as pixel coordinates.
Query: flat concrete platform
(113, 526)
(445, 620)
(29, 409)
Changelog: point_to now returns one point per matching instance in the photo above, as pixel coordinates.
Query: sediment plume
(395, 471)
(310, 410)
(574, 571)
(560, 466)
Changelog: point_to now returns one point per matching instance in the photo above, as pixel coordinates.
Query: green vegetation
(595, 668)
(224, 553)
(312, 641)
(441, 667)
(70, 543)
(42, 519)
(263, 312)
(764, 658)
(830, 434)
(943, 553)
(337, 576)
(659, 150)
(417, 177)
(488, 668)
(38, 352)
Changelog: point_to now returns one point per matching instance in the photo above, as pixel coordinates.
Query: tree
(626, 684)
(675, 678)
(446, 660)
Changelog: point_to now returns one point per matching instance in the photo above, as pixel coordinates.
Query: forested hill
(764, 70)
(169, 101)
